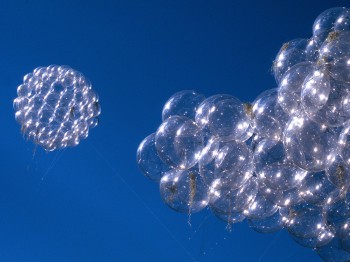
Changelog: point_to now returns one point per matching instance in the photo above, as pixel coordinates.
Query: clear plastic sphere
(179, 142)
(183, 103)
(333, 251)
(234, 162)
(290, 54)
(56, 107)
(338, 213)
(313, 46)
(268, 152)
(209, 152)
(225, 200)
(289, 91)
(339, 174)
(310, 145)
(317, 189)
(335, 55)
(344, 144)
(260, 208)
(344, 235)
(326, 100)
(184, 190)
(148, 159)
(269, 119)
(306, 221)
(272, 167)
(283, 177)
(282, 198)
(326, 21)
(342, 23)
(206, 107)
(324, 237)
(270, 224)
(228, 120)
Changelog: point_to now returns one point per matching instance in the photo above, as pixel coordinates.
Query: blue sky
(91, 203)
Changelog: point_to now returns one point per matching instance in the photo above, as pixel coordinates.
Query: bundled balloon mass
(56, 107)
(282, 161)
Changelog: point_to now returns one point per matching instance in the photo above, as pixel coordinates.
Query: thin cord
(200, 225)
(53, 163)
(143, 203)
(272, 242)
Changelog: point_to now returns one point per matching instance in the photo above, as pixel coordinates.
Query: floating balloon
(280, 162)
(56, 107)
(149, 161)
(184, 190)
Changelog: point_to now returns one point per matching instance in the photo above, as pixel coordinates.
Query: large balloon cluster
(282, 161)
(56, 106)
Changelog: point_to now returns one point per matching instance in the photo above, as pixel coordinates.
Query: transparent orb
(179, 142)
(289, 90)
(234, 161)
(269, 119)
(326, 100)
(56, 107)
(326, 21)
(306, 222)
(183, 103)
(290, 54)
(149, 161)
(270, 224)
(184, 190)
(228, 120)
(309, 145)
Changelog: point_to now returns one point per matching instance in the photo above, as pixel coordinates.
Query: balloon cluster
(282, 161)
(56, 106)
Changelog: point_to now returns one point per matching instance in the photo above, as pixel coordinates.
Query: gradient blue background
(91, 203)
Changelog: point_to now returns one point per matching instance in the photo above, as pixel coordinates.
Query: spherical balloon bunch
(282, 161)
(56, 106)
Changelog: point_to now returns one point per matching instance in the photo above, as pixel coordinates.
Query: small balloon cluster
(282, 161)
(56, 106)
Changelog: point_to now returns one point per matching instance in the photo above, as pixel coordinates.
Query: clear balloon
(344, 144)
(179, 142)
(206, 107)
(269, 118)
(317, 189)
(339, 174)
(260, 208)
(270, 224)
(323, 238)
(306, 221)
(333, 251)
(228, 120)
(282, 198)
(310, 145)
(324, 99)
(148, 159)
(234, 162)
(225, 200)
(183, 103)
(289, 91)
(342, 23)
(56, 107)
(326, 21)
(282, 161)
(291, 53)
(184, 190)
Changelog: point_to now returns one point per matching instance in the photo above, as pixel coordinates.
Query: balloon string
(53, 163)
(141, 200)
(200, 226)
(270, 245)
